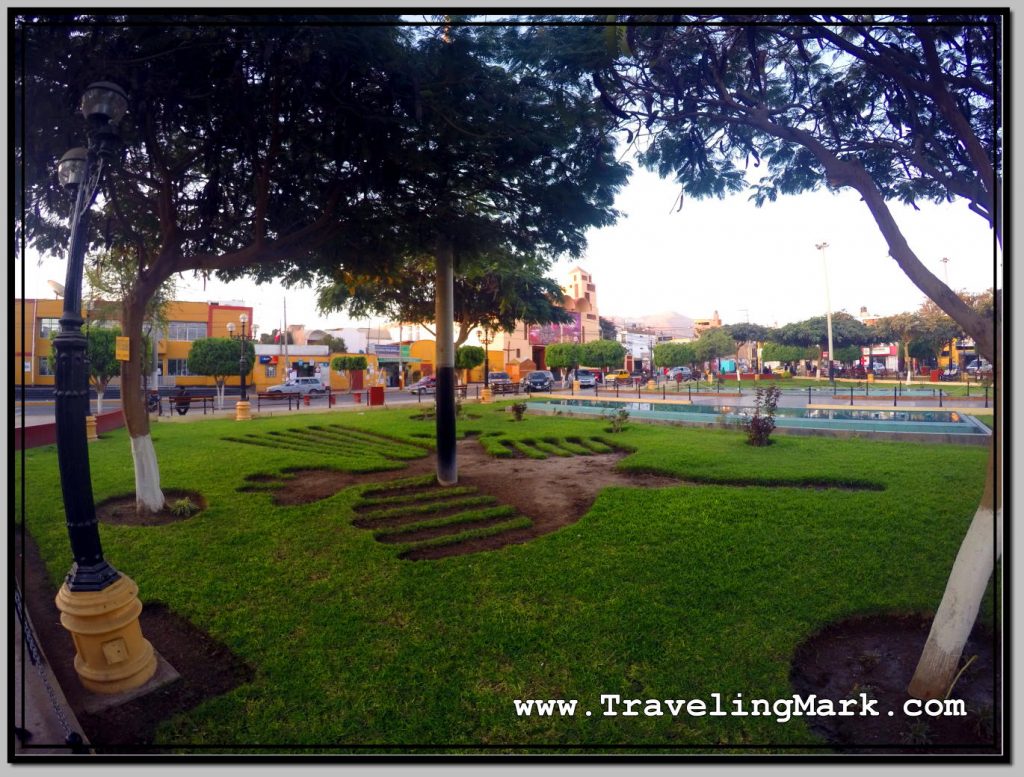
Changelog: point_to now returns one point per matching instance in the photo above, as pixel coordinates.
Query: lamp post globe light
(242, 408)
(98, 604)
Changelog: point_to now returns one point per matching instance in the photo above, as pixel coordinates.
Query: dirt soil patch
(206, 667)
(121, 509)
(877, 656)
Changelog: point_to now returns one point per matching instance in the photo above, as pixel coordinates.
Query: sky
(747, 263)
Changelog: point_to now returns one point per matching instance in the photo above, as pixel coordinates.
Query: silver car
(301, 386)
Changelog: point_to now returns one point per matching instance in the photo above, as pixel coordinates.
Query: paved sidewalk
(40, 707)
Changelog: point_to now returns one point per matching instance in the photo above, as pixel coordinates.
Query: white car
(301, 386)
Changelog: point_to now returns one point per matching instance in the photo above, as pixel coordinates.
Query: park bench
(504, 388)
(207, 401)
(277, 397)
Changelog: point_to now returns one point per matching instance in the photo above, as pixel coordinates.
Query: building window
(271, 371)
(49, 327)
(517, 353)
(45, 365)
(185, 330)
(177, 367)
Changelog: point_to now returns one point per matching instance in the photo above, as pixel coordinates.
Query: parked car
(680, 373)
(538, 380)
(499, 382)
(979, 367)
(301, 386)
(427, 385)
(619, 376)
(586, 378)
(877, 367)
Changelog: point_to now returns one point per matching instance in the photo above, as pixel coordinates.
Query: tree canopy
(562, 355)
(674, 354)
(898, 107)
(469, 356)
(498, 292)
(714, 344)
(602, 353)
(846, 330)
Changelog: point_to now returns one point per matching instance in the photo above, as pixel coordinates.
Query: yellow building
(36, 321)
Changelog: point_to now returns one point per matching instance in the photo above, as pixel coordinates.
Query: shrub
(184, 508)
(761, 425)
(619, 419)
(518, 408)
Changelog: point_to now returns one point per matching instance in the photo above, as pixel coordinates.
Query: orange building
(36, 321)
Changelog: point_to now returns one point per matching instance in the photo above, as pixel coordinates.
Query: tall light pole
(945, 272)
(828, 307)
(98, 604)
(242, 408)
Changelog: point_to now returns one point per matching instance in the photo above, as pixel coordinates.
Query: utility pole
(828, 308)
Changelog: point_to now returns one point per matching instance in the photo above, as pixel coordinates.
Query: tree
(714, 344)
(342, 363)
(896, 107)
(675, 354)
(219, 358)
(101, 349)
(274, 338)
(334, 344)
(902, 328)
(498, 292)
(302, 179)
(467, 357)
(777, 352)
(562, 356)
(602, 354)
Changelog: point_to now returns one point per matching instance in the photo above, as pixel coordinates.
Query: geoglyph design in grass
(336, 440)
(510, 491)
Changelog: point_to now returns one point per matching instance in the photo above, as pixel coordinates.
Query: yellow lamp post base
(242, 412)
(111, 655)
(90, 428)
(485, 396)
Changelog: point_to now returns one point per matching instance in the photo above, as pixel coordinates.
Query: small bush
(619, 419)
(761, 425)
(184, 508)
(518, 408)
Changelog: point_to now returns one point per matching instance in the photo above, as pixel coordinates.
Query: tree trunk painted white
(959, 608)
(981, 547)
(220, 393)
(148, 496)
(99, 400)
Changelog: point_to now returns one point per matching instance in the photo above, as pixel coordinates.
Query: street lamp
(485, 338)
(242, 408)
(828, 309)
(99, 605)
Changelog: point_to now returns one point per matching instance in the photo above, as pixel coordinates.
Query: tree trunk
(148, 496)
(981, 547)
(221, 383)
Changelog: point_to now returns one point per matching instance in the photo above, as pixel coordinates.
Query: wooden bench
(504, 388)
(277, 396)
(174, 402)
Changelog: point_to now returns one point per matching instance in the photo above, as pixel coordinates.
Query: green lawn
(676, 592)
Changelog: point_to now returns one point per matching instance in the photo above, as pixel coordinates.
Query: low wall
(46, 434)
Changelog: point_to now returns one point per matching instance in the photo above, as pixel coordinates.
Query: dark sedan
(538, 380)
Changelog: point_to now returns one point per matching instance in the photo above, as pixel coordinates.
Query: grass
(675, 592)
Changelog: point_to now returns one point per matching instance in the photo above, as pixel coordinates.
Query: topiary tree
(342, 363)
(469, 357)
(563, 356)
(602, 353)
(674, 354)
(714, 344)
(218, 357)
(101, 348)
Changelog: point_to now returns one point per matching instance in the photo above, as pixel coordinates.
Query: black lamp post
(81, 170)
(487, 364)
(243, 363)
